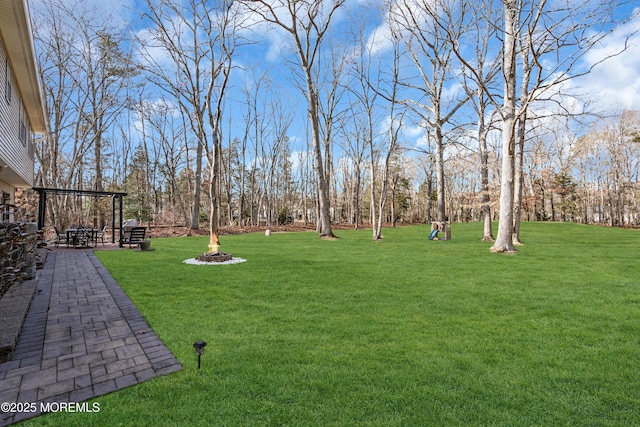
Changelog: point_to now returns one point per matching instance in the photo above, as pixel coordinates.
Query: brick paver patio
(82, 338)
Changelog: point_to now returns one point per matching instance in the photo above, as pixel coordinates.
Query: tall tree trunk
(522, 126)
(356, 197)
(519, 179)
(324, 217)
(441, 212)
(195, 210)
(543, 209)
(214, 191)
(241, 201)
(99, 214)
(504, 240)
(487, 232)
(429, 216)
(375, 225)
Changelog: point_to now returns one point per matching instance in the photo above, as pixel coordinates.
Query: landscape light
(199, 348)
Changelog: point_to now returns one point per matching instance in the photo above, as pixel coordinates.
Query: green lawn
(403, 332)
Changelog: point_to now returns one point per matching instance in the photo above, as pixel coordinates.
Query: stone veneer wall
(17, 253)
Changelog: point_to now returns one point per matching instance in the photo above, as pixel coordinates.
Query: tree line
(412, 111)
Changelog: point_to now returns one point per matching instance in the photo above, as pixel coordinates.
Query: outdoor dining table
(81, 237)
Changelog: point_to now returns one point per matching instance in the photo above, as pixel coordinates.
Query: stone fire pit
(214, 257)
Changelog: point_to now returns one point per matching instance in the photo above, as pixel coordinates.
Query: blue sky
(613, 85)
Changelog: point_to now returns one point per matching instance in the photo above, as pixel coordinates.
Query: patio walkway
(82, 338)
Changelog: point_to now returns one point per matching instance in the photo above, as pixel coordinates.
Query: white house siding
(16, 149)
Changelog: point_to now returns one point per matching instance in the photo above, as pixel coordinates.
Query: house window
(5, 206)
(23, 133)
(22, 130)
(7, 85)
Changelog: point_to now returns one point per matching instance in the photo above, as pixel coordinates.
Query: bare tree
(354, 130)
(275, 145)
(198, 39)
(420, 25)
(379, 119)
(307, 22)
(566, 35)
(608, 163)
(478, 76)
(109, 71)
(504, 241)
(252, 131)
(85, 74)
(362, 132)
(395, 123)
(163, 127)
(331, 92)
(543, 43)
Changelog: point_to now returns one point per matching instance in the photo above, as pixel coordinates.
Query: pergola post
(121, 223)
(113, 218)
(42, 207)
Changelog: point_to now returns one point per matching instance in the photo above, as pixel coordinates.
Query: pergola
(42, 205)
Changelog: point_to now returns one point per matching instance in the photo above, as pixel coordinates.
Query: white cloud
(380, 40)
(278, 42)
(151, 52)
(615, 83)
(413, 131)
(398, 19)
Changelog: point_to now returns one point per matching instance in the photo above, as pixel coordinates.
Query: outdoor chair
(60, 237)
(99, 235)
(137, 234)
